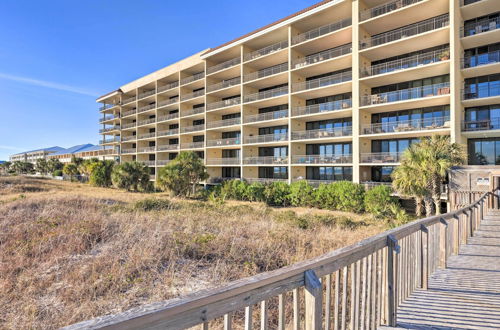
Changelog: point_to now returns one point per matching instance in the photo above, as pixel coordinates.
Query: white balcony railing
(321, 31)
(169, 132)
(193, 145)
(283, 67)
(109, 129)
(129, 113)
(146, 121)
(322, 56)
(407, 94)
(333, 79)
(129, 100)
(322, 107)
(168, 102)
(108, 117)
(381, 157)
(385, 8)
(146, 149)
(265, 51)
(129, 125)
(168, 117)
(265, 138)
(146, 136)
(265, 180)
(162, 162)
(112, 140)
(192, 112)
(167, 147)
(223, 161)
(194, 128)
(322, 133)
(322, 159)
(481, 26)
(224, 142)
(407, 125)
(224, 65)
(273, 115)
(224, 84)
(266, 94)
(224, 103)
(148, 162)
(224, 123)
(129, 151)
(265, 160)
(129, 138)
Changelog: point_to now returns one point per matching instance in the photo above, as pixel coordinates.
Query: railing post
(313, 301)
(424, 257)
(392, 279)
(442, 242)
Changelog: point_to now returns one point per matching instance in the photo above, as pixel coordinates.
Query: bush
(71, 170)
(301, 194)
(132, 176)
(255, 192)
(57, 173)
(325, 197)
(350, 196)
(378, 201)
(100, 173)
(152, 204)
(234, 189)
(277, 194)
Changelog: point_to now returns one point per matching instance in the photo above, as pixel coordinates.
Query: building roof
(54, 149)
(77, 149)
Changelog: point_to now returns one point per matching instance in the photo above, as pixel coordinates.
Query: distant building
(32, 155)
(85, 151)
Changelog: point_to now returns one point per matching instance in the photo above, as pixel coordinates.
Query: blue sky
(57, 56)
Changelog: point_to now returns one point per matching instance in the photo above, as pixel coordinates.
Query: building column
(355, 93)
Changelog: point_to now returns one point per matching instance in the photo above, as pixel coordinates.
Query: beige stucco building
(336, 91)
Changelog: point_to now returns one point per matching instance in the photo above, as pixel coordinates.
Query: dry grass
(70, 252)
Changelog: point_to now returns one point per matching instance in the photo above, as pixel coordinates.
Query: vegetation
(379, 201)
(71, 170)
(19, 167)
(100, 174)
(182, 175)
(131, 176)
(54, 165)
(5, 168)
(42, 166)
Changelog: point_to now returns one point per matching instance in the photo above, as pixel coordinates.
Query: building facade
(83, 151)
(336, 91)
(33, 155)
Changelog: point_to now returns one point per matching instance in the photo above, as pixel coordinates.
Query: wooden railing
(356, 287)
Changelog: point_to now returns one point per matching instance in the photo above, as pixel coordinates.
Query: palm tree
(409, 183)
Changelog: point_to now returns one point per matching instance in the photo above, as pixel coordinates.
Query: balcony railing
(278, 137)
(322, 159)
(109, 129)
(162, 162)
(168, 132)
(108, 117)
(168, 117)
(146, 121)
(224, 123)
(194, 128)
(481, 125)
(322, 56)
(266, 94)
(129, 113)
(224, 161)
(323, 81)
(480, 91)
(385, 8)
(128, 100)
(322, 107)
(146, 135)
(106, 107)
(129, 151)
(192, 112)
(224, 142)
(146, 149)
(168, 102)
(219, 180)
(193, 145)
(265, 180)
(381, 157)
(192, 95)
(147, 93)
(322, 133)
(168, 86)
(265, 160)
(265, 51)
(480, 27)
(224, 84)
(266, 72)
(273, 115)
(479, 60)
(224, 103)
(129, 138)
(192, 78)
(148, 162)
(129, 125)
(406, 31)
(468, 2)
(224, 65)
(167, 147)
(407, 63)
(406, 94)
(112, 140)
(407, 125)
(321, 31)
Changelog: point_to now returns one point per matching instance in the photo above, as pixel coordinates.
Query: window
(273, 152)
(231, 172)
(331, 149)
(173, 141)
(328, 74)
(484, 151)
(276, 130)
(198, 122)
(197, 106)
(327, 99)
(231, 116)
(482, 118)
(231, 135)
(198, 138)
(274, 108)
(277, 172)
(482, 24)
(173, 126)
(415, 117)
(272, 87)
(484, 86)
(482, 55)
(171, 156)
(382, 173)
(329, 124)
(392, 146)
(230, 153)
(330, 173)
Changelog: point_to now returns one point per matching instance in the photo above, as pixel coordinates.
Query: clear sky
(57, 56)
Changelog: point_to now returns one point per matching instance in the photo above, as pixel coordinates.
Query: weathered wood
(296, 310)
(248, 318)
(313, 301)
(204, 326)
(364, 279)
(337, 302)
(328, 301)
(228, 321)
(424, 259)
(344, 298)
(392, 290)
(281, 312)
(263, 315)
(442, 243)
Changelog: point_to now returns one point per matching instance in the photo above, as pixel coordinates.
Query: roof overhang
(107, 96)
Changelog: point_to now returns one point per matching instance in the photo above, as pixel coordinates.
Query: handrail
(481, 59)
(224, 65)
(481, 125)
(223, 103)
(224, 84)
(390, 265)
(272, 115)
(322, 56)
(336, 78)
(194, 111)
(407, 125)
(322, 133)
(275, 92)
(322, 107)
(167, 87)
(481, 26)
(224, 122)
(265, 51)
(192, 78)
(407, 94)
(385, 8)
(321, 31)
(266, 72)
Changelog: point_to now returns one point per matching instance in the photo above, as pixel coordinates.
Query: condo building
(336, 91)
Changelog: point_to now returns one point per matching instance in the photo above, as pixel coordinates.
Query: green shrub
(100, 173)
(255, 192)
(350, 196)
(57, 173)
(291, 218)
(378, 201)
(132, 176)
(234, 189)
(152, 204)
(301, 194)
(325, 197)
(277, 194)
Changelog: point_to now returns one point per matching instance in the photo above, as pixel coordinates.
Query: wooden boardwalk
(465, 295)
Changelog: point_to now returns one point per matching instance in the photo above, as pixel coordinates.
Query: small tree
(71, 170)
(42, 166)
(87, 166)
(5, 167)
(182, 175)
(100, 175)
(53, 165)
(379, 201)
(132, 176)
(19, 167)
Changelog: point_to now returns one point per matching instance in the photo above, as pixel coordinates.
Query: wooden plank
(296, 310)
(336, 304)
(442, 243)
(228, 321)
(328, 301)
(248, 318)
(204, 326)
(344, 298)
(364, 279)
(281, 312)
(424, 258)
(313, 301)
(263, 315)
(357, 294)
(352, 296)
(392, 290)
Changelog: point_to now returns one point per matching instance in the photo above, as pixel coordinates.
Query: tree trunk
(418, 206)
(429, 206)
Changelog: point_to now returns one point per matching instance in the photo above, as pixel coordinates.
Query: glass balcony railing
(224, 65)
(406, 31)
(322, 56)
(322, 107)
(266, 160)
(109, 129)
(108, 117)
(406, 94)
(224, 142)
(169, 132)
(322, 133)
(385, 8)
(407, 63)
(265, 51)
(223, 161)
(481, 91)
(146, 136)
(322, 82)
(481, 125)
(129, 151)
(224, 84)
(224, 103)
(193, 145)
(266, 116)
(381, 157)
(146, 149)
(266, 72)
(265, 138)
(167, 147)
(112, 140)
(407, 125)
(192, 112)
(194, 128)
(479, 27)
(106, 107)
(321, 31)
(193, 78)
(224, 123)
(266, 94)
(481, 59)
(168, 86)
(322, 159)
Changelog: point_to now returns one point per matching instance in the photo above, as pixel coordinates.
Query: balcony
(193, 145)
(323, 133)
(129, 138)
(372, 184)
(112, 140)
(273, 115)
(479, 27)
(266, 94)
(146, 136)
(107, 118)
(168, 147)
(224, 84)
(146, 121)
(409, 94)
(129, 100)
(265, 51)
(481, 125)
(224, 123)
(267, 138)
(381, 157)
(107, 107)
(266, 72)
(194, 128)
(224, 161)
(192, 78)
(146, 149)
(224, 142)
(482, 94)
(109, 129)
(385, 8)
(322, 56)
(321, 159)
(129, 125)
(477, 8)
(148, 162)
(265, 180)
(224, 65)
(162, 162)
(265, 160)
(169, 132)
(129, 151)
(168, 117)
(321, 31)
(129, 113)
(224, 104)
(164, 103)
(147, 93)
(333, 79)
(481, 65)
(192, 95)
(167, 87)
(192, 112)
(322, 108)
(402, 126)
